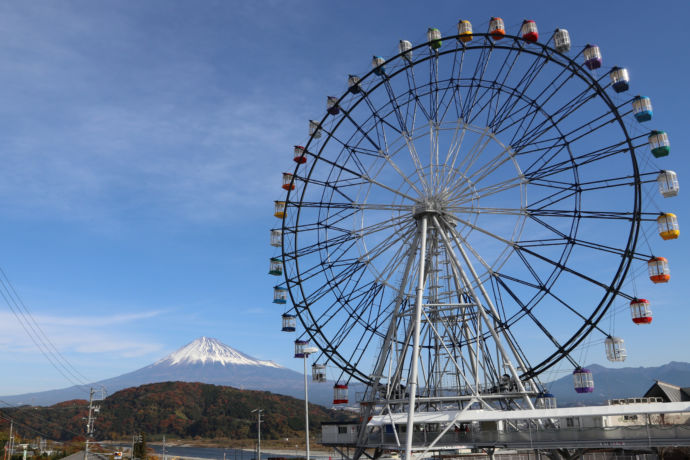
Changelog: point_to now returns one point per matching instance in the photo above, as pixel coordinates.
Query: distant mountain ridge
(614, 383)
(204, 360)
(208, 360)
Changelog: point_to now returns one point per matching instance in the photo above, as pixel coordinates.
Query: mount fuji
(204, 360)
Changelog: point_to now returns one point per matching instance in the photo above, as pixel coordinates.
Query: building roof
(668, 392)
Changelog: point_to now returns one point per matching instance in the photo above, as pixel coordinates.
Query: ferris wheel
(465, 214)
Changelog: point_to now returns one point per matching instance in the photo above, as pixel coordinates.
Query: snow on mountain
(212, 350)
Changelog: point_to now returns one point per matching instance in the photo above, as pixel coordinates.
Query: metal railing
(642, 435)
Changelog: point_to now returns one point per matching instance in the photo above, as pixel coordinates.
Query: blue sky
(142, 146)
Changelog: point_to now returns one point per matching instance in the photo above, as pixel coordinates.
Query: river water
(219, 453)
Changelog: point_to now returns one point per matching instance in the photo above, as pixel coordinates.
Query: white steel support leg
(412, 384)
(480, 309)
(494, 312)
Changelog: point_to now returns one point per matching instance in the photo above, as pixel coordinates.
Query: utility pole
(91, 419)
(258, 434)
(89, 425)
(165, 457)
(10, 441)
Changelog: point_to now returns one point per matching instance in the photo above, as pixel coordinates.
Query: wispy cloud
(77, 335)
(95, 130)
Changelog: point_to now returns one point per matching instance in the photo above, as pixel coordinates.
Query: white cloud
(73, 335)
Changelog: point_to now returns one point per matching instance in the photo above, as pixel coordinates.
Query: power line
(37, 335)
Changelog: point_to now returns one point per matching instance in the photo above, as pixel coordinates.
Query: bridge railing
(609, 436)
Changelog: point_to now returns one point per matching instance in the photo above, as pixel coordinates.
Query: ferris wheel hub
(430, 206)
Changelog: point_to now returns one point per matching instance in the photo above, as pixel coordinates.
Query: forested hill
(177, 409)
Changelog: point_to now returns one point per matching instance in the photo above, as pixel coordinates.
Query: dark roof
(668, 392)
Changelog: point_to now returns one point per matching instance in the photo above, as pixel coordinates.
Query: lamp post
(258, 432)
(303, 352)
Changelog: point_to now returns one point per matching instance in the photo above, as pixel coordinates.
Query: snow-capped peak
(207, 350)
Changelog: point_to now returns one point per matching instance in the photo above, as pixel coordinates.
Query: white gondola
(668, 183)
(318, 372)
(275, 266)
(668, 226)
(377, 62)
(561, 40)
(464, 31)
(279, 209)
(353, 84)
(332, 105)
(279, 295)
(300, 345)
(276, 237)
(620, 80)
(583, 380)
(288, 181)
(314, 129)
(642, 108)
(298, 155)
(640, 311)
(545, 400)
(659, 143)
(405, 48)
(433, 36)
(340, 394)
(615, 349)
(592, 55)
(289, 323)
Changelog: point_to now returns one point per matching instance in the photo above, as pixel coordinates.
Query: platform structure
(644, 426)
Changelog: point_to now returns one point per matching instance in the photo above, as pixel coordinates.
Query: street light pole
(306, 351)
(258, 434)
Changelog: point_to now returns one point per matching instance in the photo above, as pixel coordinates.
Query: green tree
(140, 446)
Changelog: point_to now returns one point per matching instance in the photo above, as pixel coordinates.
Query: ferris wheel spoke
(539, 171)
(417, 163)
(529, 77)
(500, 79)
(474, 153)
(554, 119)
(492, 165)
(554, 198)
(451, 92)
(454, 150)
(466, 194)
(564, 239)
(433, 86)
(622, 181)
(479, 71)
(395, 262)
(563, 267)
(489, 210)
(535, 104)
(551, 294)
(366, 178)
(347, 270)
(396, 107)
(530, 315)
(385, 245)
(552, 90)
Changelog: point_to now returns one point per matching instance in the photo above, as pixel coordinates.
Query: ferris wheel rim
(623, 267)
